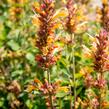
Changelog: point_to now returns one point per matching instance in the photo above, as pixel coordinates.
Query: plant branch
(50, 96)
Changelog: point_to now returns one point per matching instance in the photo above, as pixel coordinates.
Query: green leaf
(13, 45)
(79, 90)
(30, 57)
(17, 73)
(29, 104)
(1, 102)
(61, 94)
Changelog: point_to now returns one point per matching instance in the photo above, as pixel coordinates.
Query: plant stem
(48, 75)
(51, 101)
(100, 102)
(60, 104)
(71, 99)
(73, 56)
(50, 96)
(100, 92)
(72, 67)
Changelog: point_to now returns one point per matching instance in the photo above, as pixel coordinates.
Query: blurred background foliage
(18, 67)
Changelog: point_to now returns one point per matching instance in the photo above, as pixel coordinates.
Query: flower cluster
(91, 101)
(100, 55)
(46, 19)
(16, 10)
(48, 90)
(100, 66)
(48, 59)
(94, 103)
(71, 18)
(46, 24)
(76, 20)
(103, 15)
(100, 82)
(15, 13)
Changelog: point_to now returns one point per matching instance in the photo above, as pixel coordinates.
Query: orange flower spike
(100, 55)
(71, 19)
(45, 11)
(47, 21)
(105, 15)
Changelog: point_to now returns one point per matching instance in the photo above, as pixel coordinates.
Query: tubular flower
(15, 13)
(95, 103)
(89, 81)
(100, 82)
(15, 10)
(71, 18)
(105, 14)
(47, 21)
(76, 19)
(101, 63)
(48, 59)
(47, 89)
(46, 26)
(100, 55)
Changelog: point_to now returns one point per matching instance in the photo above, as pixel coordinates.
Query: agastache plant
(70, 27)
(45, 39)
(100, 66)
(47, 20)
(47, 89)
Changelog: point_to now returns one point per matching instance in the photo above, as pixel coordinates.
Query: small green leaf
(61, 94)
(1, 102)
(29, 104)
(13, 45)
(30, 57)
(17, 73)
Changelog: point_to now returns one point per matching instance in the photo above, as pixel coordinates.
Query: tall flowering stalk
(101, 55)
(100, 65)
(73, 24)
(70, 27)
(47, 20)
(103, 15)
(71, 18)
(46, 34)
(46, 11)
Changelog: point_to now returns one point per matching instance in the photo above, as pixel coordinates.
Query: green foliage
(18, 66)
